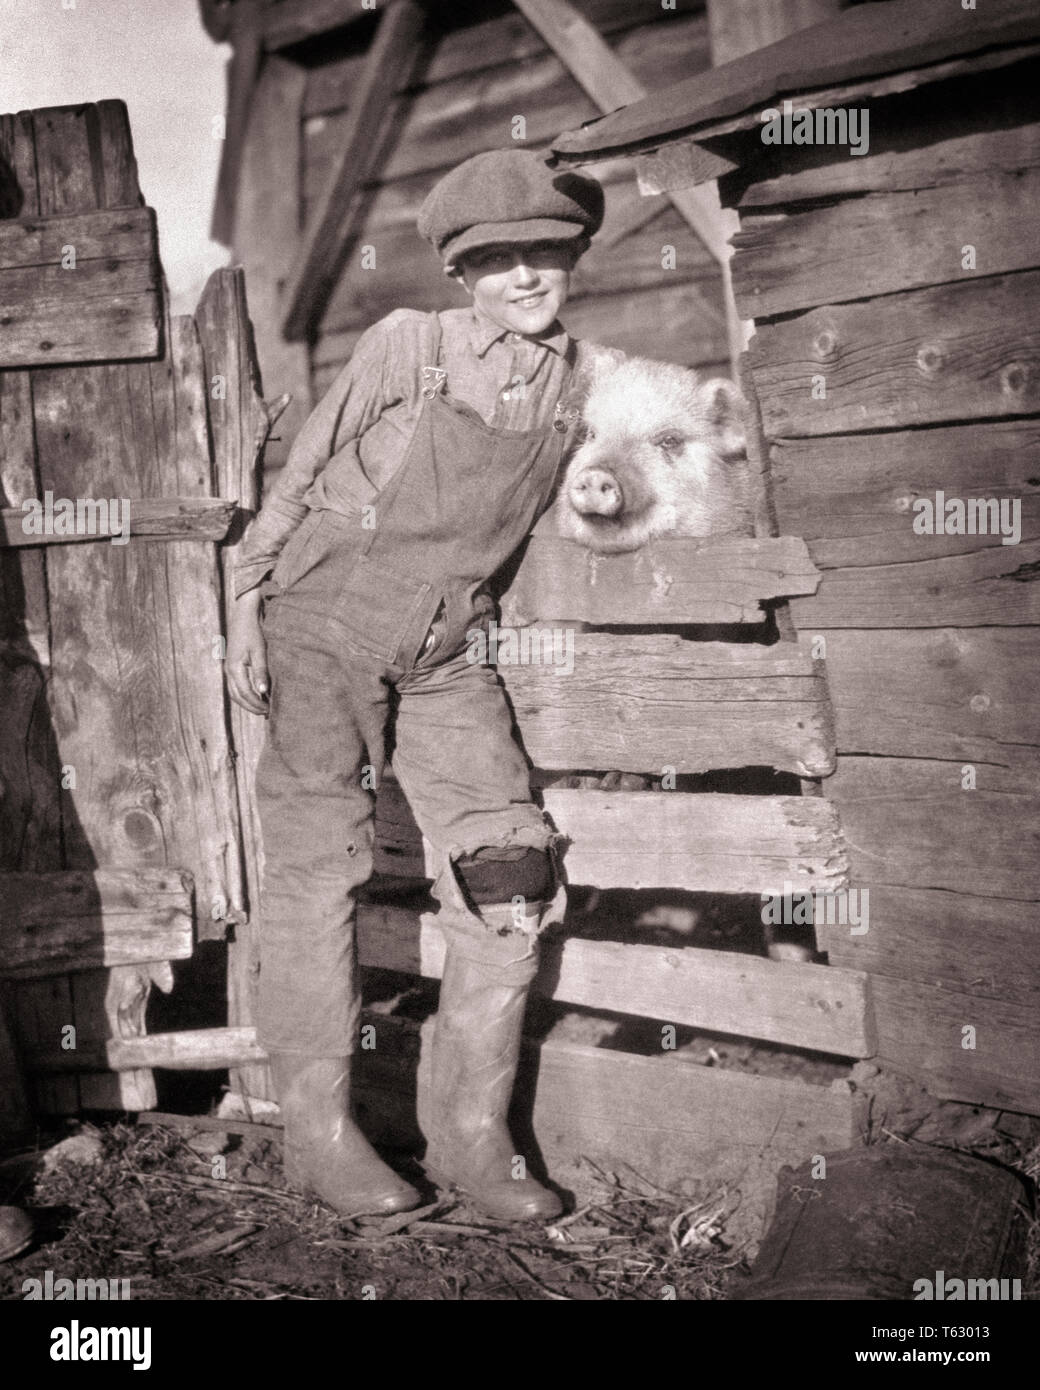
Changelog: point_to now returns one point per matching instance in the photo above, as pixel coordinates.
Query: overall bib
(351, 604)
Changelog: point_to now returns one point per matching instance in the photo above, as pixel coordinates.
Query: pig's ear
(724, 407)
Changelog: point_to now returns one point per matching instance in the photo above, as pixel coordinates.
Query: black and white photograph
(519, 676)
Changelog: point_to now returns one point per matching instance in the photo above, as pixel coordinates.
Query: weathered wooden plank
(267, 234)
(988, 948)
(963, 694)
(992, 587)
(111, 1004)
(443, 124)
(854, 502)
(201, 1049)
(654, 124)
(159, 518)
(41, 244)
(490, 42)
(106, 302)
(76, 920)
(885, 242)
(718, 579)
(911, 823)
(987, 123)
(661, 1115)
(239, 426)
(712, 842)
(922, 1031)
(642, 703)
(954, 352)
(388, 63)
(812, 1006)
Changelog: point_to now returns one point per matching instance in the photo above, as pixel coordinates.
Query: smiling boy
(411, 484)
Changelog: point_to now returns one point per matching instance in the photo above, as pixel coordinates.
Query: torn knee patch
(499, 874)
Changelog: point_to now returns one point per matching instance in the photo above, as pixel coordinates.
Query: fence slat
(79, 919)
(817, 1007)
(710, 842)
(715, 579)
(639, 704)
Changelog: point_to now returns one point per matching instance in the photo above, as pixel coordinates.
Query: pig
(663, 453)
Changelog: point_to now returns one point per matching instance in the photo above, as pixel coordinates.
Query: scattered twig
(549, 1293)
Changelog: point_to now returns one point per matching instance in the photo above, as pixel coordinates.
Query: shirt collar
(485, 331)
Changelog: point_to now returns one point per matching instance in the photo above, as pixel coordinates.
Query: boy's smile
(523, 287)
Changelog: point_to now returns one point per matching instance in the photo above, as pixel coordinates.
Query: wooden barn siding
(931, 642)
(476, 81)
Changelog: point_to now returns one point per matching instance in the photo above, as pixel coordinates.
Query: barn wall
(854, 268)
(464, 99)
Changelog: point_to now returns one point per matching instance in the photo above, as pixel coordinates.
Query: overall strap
(433, 374)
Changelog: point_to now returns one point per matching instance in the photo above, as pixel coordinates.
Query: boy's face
(523, 287)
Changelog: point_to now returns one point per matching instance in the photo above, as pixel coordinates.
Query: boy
(411, 484)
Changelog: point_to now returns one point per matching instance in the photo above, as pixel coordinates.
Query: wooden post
(239, 425)
(247, 28)
(397, 43)
(267, 234)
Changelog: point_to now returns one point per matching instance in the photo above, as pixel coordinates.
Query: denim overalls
(366, 617)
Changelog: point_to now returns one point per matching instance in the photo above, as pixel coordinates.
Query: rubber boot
(16, 1232)
(476, 1048)
(325, 1152)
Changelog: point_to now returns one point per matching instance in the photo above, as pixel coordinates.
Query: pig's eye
(668, 442)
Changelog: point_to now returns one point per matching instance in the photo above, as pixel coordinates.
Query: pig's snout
(596, 492)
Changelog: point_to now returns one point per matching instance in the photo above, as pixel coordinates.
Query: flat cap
(508, 196)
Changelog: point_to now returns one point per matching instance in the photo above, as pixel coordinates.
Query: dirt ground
(195, 1208)
(151, 1211)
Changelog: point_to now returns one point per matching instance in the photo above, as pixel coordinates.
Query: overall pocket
(377, 606)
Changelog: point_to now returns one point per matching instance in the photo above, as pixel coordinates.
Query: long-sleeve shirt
(358, 435)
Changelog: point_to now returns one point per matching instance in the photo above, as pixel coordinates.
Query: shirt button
(505, 395)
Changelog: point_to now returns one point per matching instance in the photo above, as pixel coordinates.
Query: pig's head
(663, 454)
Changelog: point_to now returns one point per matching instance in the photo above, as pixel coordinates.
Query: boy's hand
(247, 678)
